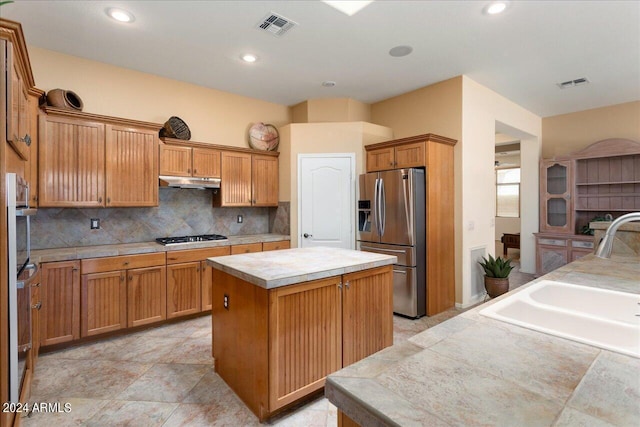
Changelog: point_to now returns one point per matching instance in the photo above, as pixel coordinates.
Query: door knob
(305, 235)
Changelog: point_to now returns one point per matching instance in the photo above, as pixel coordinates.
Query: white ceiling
(520, 54)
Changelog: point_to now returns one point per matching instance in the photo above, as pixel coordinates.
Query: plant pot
(496, 286)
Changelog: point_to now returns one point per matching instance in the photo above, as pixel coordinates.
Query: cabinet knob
(130, 277)
(307, 235)
(37, 306)
(108, 200)
(195, 171)
(26, 139)
(100, 199)
(189, 170)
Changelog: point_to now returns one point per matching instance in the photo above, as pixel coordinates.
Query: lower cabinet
(246, 248)
(122, 291)
(553, 250)
(146, 295)
(189, 280)
(60, 294)
(275, 246)
(273, 347)
(103, 302)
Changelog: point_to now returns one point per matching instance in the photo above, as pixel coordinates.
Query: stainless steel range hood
(189, 182)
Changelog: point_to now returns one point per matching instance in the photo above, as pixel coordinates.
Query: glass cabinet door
(555, 197)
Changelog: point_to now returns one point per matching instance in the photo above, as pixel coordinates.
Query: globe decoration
(263, 137)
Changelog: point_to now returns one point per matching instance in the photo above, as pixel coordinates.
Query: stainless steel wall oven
(21, 273)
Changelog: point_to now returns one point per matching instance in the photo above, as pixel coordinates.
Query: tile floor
(164, 377)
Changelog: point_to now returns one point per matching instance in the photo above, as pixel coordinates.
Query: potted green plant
(496, 279)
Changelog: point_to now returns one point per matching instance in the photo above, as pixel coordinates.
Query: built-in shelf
(606, 210)
(608, 195)
(585, 184)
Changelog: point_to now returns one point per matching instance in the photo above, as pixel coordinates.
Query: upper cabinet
(178, 160)
(402, 155)
(17, 82)
(603, 178)
(248, 180)
(555, 196)
(87, 160)
(131, 171)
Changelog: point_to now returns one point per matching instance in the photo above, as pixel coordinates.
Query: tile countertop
(473, 370)
(82, 252)
(289, 266)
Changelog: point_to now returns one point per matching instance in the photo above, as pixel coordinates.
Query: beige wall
(484, 112)
(433, 109)
(331, 110)
(571, 132)
(304, 138)
(213, 116)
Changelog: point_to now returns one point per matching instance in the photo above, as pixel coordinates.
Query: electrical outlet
(95, 223)
(240, 219)
(225, 302)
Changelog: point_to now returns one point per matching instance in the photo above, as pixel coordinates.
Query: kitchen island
(473, 370)
(284, 320)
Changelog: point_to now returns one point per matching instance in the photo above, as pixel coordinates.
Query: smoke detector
(276, 24)
(573, 83)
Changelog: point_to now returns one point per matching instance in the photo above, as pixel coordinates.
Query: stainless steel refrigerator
(392, 221)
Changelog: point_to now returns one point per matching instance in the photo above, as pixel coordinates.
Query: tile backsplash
(180, 212)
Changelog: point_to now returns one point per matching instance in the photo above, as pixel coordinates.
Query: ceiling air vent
(573, 83)
(276, 24)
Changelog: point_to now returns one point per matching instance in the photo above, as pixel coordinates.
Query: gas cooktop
(189, 239)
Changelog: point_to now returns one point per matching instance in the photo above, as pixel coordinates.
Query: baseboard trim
(474, 300)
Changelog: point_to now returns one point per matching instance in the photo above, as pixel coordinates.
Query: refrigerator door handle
(395, 251)
(383, 210)
(376, 215)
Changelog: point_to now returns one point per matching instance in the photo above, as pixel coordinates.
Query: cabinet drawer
(553, 242)
(125, 262)
(274, 246)
(246, 249)
(581, 244)
(191, 255)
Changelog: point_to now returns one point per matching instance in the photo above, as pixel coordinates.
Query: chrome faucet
(606, 244)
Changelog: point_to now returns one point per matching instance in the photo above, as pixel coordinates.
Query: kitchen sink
(603, 318)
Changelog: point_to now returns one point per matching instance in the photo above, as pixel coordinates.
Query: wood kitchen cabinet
(178, 160)
(131, 173)
(264, 180)
(246, 248)
(103, 302)
(71, 163)
(122, 291)
(601, 179)
(189, 280)
(18, 130)
(60, 294)
(248, 180)
(86, 160)
(275, 246)
(407, 155)
(275, 346)
(555, 196)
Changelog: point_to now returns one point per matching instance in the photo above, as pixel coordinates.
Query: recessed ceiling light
(120, 15)
(496, 7)
(350, 7)
(247, 57)
(399, 51)
(328, 83)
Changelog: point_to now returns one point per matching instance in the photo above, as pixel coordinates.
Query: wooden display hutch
(602, 179)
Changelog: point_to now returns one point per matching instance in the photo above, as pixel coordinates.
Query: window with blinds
(508, 193)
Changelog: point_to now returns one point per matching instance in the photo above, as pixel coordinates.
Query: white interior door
(326, 200)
